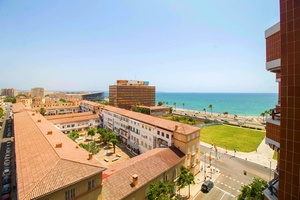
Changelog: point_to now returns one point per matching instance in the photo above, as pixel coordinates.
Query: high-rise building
(10, 92)
(37, 92)
(126, 94)
(283, 127)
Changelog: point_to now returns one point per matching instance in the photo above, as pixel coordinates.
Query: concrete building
(131, 179)
(9, 92)
(37, 92)
(49, 165)
(283, 127)
(99, 96)
(89, 106)
(75, 122)
(126, 94)
(25, 101)
(141, 133)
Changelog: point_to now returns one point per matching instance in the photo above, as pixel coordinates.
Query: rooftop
(72, 115)
(46, 159)
(155, 162)
(74, 118)
(155, 121)
(91, 103)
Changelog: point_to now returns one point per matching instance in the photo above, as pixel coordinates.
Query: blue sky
(178, 46)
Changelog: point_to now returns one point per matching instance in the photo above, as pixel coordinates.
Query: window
(188, 150)
(70, 194)
(162, 134)
(158, 133)
(188, 138)
(193, 136)
(179, 137)
(167, 135)
(174, 174)
(91, 184)
(193, 148)
(166, 177)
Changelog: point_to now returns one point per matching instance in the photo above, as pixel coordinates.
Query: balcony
(273, 129)
(272, 191)
(274, 65)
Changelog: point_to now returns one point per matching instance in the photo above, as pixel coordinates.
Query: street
(234, 173)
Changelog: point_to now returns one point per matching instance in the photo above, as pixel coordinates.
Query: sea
(241, 104)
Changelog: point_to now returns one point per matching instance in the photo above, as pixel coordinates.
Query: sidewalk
(262, 156)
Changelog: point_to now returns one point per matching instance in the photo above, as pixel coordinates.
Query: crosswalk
(230, 188)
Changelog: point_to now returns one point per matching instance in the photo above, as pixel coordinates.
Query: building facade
(99, 96)
(283, 127)
(141, 133)
(37, 92)
(126, 94)
(9, 92)
(89, 106)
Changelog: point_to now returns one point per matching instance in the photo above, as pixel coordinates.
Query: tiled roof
(148, 166)
(20, 107)
(60, 107)
(155, 121)
(41, 167)
(91, 103)
(75, 119)
(72, 115)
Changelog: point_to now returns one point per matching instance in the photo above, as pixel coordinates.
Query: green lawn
(245, 140)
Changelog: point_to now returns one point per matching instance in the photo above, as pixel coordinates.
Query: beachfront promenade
(245, 121)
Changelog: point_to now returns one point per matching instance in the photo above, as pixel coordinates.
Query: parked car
(6, 179)
(7, 163)
(8, 144)
(6, 197)
(207, 186)
(7, 157)
(6, 188)
(6, 172)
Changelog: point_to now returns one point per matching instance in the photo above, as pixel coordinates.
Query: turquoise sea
(246, 104)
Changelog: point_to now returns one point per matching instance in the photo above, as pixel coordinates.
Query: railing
(275, 114)
(273, 186)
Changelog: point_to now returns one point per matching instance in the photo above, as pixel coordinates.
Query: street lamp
(234, 145)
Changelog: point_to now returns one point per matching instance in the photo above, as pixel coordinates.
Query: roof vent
(39, 120)
(90, 156)
(58, 145)
(176, 127)
(33, 114)
(76, 147)
(49, 133)
(135, 179)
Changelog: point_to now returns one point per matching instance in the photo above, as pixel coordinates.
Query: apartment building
(25, 101)
(75, 122)
(9, 92)
(283, 127)
(126, 94)
(38, 103)
(49, 165)
(89, 106)
(37, 92)
(131, 179)
(141, 133)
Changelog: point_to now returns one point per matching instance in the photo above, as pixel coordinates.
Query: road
(232, 177)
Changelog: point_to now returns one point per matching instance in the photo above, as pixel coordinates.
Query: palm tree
(114, 141)
(167, 103)
(185, 178)
(204, 109)
(210, 106)
(182, 106)
(175, 105)
(263, 115)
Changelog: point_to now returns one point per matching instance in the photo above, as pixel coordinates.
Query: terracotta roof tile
(147, 166)
(155, 121)
(51, 117)
(39, 163)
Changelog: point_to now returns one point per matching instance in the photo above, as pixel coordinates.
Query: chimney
(33, 114)
(49, 133)
(39, 120)
(90, 156)
(58, 145)
(176, 127)
(135, 179)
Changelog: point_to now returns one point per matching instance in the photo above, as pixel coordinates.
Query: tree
(204, 109)
(62, 100)
(161, 190)
(101, 130)
(90, 147)
(182, 106)
(167, 103)
(43, 111)
(225, 113)
(254, 190)
(185, 178)
(175, 105)
(91, 132)
(210, 106)
(73, 135)
(114, 141)
(263, 115)
(160, 103)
